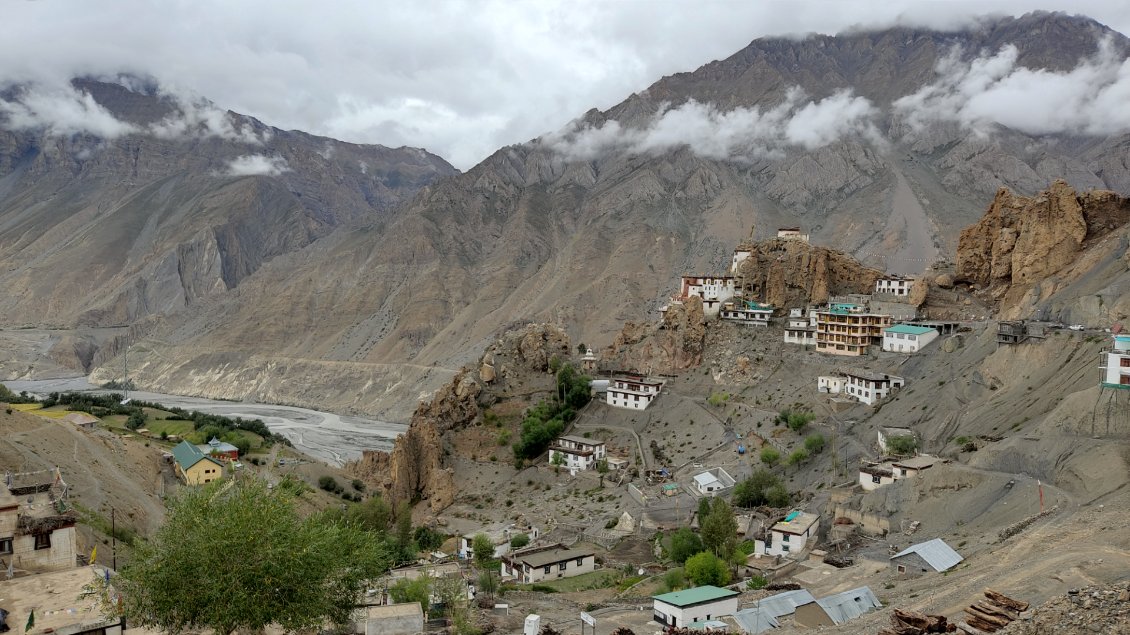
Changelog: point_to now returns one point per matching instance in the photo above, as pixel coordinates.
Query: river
(322, 435)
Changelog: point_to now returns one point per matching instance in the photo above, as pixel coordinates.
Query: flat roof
(55, 597)
(404, 609)
(869, 375)
(581, 440)
(697, 595)
(908, 329)
(551, 555)
(918, 462)
(799, 523)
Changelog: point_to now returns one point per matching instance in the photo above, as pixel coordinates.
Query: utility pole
(113, 539)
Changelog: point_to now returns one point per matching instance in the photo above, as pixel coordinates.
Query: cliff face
(792, 273)
(1022, 240)
(674, 344)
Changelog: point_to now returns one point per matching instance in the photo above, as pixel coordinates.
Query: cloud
(257, 165)
(197, 117)
(741, 133)
(60, 111)
(1090, 99)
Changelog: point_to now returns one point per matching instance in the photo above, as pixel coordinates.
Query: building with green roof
(907, 338)
(682, 608)
(194, 466)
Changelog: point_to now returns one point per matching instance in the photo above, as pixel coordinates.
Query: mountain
(590, 227)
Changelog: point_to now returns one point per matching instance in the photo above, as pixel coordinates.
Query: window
(547, 568)
(581, 561)
(876, 479)
(784, 548)
(902, 568)
(5, 545)
(1124, 362)
(785, 538)
(561, 567)
(42, 541)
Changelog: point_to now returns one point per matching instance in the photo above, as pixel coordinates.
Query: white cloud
(60, 110)
(257, 165)
(1089, 99)
(198, 117)
(741, 133)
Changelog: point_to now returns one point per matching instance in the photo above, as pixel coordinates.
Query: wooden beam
(1004, 600)
(986, 617)
(967, 629)
(994, 609)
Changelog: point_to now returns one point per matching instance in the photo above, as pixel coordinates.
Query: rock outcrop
(414, 468)
(792, 273)
(1021, 240)
(675, 344)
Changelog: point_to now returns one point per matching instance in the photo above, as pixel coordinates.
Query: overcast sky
(458, 78)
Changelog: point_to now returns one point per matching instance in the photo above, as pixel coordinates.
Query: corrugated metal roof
(696, 595)
(935, 552)
(754, 621)
(188, 455)
(784, 603)
(849, 605)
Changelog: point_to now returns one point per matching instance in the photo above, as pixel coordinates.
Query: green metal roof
(697, 595)
(908, 329)
(188, 455)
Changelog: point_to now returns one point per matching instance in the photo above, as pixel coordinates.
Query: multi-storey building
(894, 285)
(632, 392)
(1116, 363)
(747, 312)
(849, 329)
(801, 327)
(577, 453)
(37, 523)
(714, 290)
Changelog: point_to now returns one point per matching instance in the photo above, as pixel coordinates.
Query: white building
(700, 604)
(740, 254)
(894, 285)
(714, 290)
(791, 233)
(37, 522)
(547, 563)
(499, 535)
(801, 327)
(577, 453)
(830, 384)
(1116, 363)
(875, 475)
(790, 535)
(634, 392)
(713, 482)
(747, 312)
(907, 338)
(870, 388)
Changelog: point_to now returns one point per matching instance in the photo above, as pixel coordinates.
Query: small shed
(82, 420)
(395, 619)
(837, 609)
(932, 555)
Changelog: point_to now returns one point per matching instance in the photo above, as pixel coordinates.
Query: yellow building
(848, 329)
(194, 466)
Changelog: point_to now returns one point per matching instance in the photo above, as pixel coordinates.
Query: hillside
(590, 226)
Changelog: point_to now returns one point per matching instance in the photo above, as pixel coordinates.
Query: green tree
(777, 496)
(753, 491)
(770, 455)
(814, 443)
(582, 349)
(707, 568)
(427, 539)
(798, 456)
(277, 568)
(684, 544)
(488, 584)
(517, 541)
(674, 579)
(719, 529)
(374, 514)
(483, 549)
(413, 590)
(136, 420)
(903, 445)
(403, 534)
(602, 466)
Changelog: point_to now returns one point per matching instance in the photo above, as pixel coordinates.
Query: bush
(684, 544)
(770, 455)
(814, 443)
(541, 588)
(903, 446)
(674, 579)
(358, 485)
(517, 541)
(777, 496)
(544, 422)
(797, 457)
(707, 568)
(756, 583)
(328, 483)
(756, 490)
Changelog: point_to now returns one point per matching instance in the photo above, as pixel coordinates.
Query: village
(793, 476)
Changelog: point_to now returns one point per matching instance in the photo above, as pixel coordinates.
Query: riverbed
(328, 437)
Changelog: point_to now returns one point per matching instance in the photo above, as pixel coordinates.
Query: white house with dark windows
(714, 290)
(1116, 363)
(740, 254)
(801, 327)
(830, 384)
(894, 285)
(576, 453)
(700, 604)
(500, 536)
(753, 313)
(872, 476)
(632, 392)
(547, 563)
(870, 388)
(713, 482)
(907, 338)
(791, 233)
(790, 535)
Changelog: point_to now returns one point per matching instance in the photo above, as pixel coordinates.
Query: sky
(460, 79)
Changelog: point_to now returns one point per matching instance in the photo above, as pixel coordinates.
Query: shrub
(542, 588)
(797, 457)
(517, 541)
(903, 445)
(814, 443)
(674, 579)
(770, 455)
(756, 490)
(358, 485)
(756, 583)
(707, 568)
(684, 544)
(328, 483)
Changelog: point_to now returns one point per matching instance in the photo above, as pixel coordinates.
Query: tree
(602, 466)
(277, 568)
(674, 579)
(427, 539)
(136, 420)
(483, 550)
(719, 528)
(754, 490)
(902, 445)
(777, 496)
(798, 456)
(684, 544)
(770, 455)
(814, 443)
(517, 541)
(707, 568)
(582, 349)
(404, 531)
(374, 514)
(413, 590)
(488, 583)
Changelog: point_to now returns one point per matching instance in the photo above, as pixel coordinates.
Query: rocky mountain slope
(589, 227)
(1060, 254)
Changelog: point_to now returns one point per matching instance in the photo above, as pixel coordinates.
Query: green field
(600, 579)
